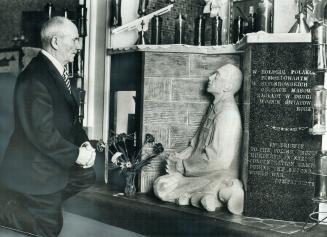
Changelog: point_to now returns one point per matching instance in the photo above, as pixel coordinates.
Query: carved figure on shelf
(205, 174)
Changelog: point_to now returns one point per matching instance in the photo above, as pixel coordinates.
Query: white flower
(115, 157)
(129, 164)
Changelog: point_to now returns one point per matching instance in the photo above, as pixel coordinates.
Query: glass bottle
(81, 20)
(216, 27)
(265, 16)
(143, 5)
(320, 173)
(180, 29)
(252, 21)
(319, 95)
(66, 13)
(49, 9)
(199, 32)
(238, 29)
(156, 27)
(318, 32)
(116, 19)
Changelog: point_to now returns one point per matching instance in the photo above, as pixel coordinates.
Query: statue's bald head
(231, 75)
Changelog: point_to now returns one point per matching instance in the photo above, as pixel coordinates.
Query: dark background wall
(188, 8)
(11, 15)
(11, 11)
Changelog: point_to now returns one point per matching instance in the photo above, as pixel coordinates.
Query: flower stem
(125, 148)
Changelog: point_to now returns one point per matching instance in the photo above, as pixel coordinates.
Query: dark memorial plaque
(279, 151)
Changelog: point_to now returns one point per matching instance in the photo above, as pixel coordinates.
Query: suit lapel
(59, 81)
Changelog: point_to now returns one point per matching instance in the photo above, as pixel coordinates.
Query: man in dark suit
(49, 157)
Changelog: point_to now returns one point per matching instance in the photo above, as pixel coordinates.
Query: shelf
(177, 48)
(263, 37)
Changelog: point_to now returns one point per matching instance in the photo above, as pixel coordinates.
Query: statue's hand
(174, 164)
(175, 161)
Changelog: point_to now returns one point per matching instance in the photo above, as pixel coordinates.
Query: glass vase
(130, 188)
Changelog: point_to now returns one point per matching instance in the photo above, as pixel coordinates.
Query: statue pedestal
(166, 219)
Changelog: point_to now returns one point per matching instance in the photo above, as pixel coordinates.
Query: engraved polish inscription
(279, 158)
(284, 88)
(287, 162)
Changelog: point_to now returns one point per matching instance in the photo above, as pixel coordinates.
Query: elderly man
(49, 157)
(205, 173)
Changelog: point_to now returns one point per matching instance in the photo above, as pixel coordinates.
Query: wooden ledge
(177, 48)
(264, 38)
(149, 216)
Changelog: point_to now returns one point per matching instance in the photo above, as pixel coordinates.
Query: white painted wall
(97, 81)
(128, 14)
(284, 15)
(96, 64)
(125, 105)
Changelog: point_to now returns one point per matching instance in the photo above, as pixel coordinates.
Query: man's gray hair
(51, 28)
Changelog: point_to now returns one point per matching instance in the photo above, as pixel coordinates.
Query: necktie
(66, 80)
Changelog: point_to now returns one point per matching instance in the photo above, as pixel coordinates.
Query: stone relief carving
(205, 174)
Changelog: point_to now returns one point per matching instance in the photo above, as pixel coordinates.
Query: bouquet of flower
(127, 160)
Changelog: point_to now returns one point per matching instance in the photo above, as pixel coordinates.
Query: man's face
(69, 43)
(214, 85)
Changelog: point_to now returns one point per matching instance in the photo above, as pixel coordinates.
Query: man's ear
(227, 87)
(54, 42)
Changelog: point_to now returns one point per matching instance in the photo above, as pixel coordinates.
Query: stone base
(149, 216)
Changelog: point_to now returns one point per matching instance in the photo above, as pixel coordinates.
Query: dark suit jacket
(47, 135)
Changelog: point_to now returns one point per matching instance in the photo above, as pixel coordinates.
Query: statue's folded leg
(177, 188)
(232, 193)
(207, 196)
(164, 187)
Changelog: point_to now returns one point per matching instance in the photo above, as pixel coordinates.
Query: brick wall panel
(180, 136)
(162, 112)
(157, 89)
(161, 132)
(189, 90)
(166, 65)
(196, 112)
(204, 65)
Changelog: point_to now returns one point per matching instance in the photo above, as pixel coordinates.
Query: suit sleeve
(78, 132)
(35, 111)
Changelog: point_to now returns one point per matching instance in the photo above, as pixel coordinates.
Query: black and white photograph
(163, 118)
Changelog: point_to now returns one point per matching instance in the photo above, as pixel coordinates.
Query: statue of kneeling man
(206, 173)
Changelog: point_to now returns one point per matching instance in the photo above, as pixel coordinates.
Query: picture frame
(10, 60)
